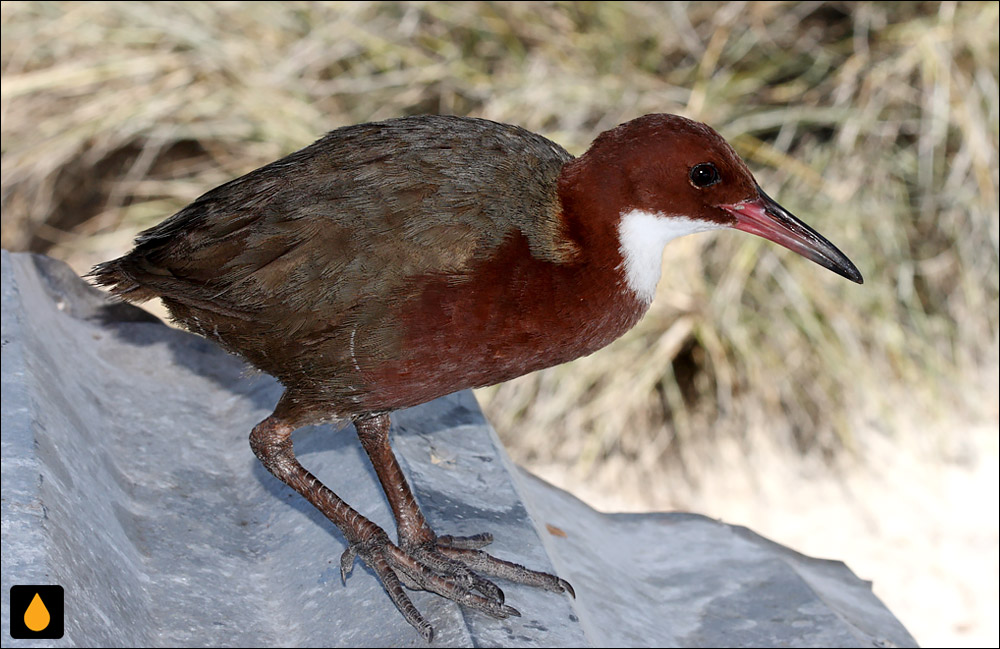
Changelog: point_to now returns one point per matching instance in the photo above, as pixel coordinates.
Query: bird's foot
(448, 566)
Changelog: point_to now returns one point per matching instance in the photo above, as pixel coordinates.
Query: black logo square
(36, 612)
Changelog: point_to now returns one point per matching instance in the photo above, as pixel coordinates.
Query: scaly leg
(271, 443)
(457, 559)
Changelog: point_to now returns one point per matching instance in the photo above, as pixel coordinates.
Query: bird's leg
(272, 444)
(458, 559)
(271, 441)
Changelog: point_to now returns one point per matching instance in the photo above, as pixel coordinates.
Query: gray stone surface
(127, 479)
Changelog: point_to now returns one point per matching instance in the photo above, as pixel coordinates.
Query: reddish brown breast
(515, 314)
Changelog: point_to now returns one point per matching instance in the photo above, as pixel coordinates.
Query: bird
(394, 262)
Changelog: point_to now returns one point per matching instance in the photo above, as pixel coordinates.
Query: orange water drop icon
(37, 616)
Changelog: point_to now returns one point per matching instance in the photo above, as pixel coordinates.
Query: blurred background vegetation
(877, 123)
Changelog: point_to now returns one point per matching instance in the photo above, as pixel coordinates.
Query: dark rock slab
(127, 479)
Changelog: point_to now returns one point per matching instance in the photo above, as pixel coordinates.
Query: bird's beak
(764, 217)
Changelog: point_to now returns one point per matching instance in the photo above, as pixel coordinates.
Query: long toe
(481, 562)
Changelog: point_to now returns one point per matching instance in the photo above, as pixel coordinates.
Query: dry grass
(875, 122)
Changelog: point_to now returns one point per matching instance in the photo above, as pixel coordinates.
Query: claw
(347, 562)
(488, 588)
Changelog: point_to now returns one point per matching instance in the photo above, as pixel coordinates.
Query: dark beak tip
(851, 272)
(847, 270)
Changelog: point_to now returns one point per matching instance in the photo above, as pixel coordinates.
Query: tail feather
(133, 280)
(114, 276)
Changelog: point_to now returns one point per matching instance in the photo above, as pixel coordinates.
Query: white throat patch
(642, 237)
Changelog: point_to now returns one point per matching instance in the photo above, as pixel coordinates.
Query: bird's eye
(704, 174)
